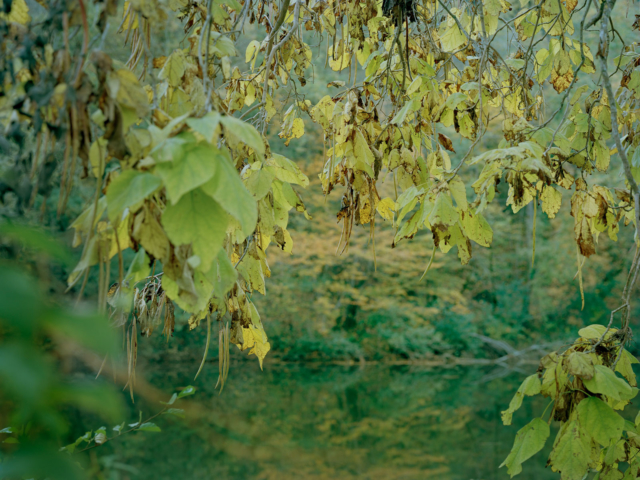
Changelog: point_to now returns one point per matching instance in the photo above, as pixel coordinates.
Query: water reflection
(333, 422)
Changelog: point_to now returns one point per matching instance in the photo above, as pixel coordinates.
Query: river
(332, 422)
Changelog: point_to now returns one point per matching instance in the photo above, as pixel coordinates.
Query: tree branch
(603, 52)
(271, 50)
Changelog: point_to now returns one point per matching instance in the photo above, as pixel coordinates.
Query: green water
(333, 422)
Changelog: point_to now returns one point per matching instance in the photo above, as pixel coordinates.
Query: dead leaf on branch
(446, 142)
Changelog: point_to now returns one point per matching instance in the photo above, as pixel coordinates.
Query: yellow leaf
(551, 200)
(452, 38)
(173, 69)
(363, 154)
(443, 212)
(123, 86)
(458, 192)
(252, 52)
(297, 130)
(250, 94)
(19, 13)
(98, 157)
(386, 207)
(477, 228)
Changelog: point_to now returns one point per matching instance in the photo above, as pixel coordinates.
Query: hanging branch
(272, 50)
(603, 52)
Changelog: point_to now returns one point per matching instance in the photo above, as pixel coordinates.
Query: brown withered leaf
(603, 207)
(623, 195)
(561, 82)
(446, 142)
(584, 237)
(169, 318)
(159, 62)
(571, 5)
(624, 81)
(111, 294)
(580, 364)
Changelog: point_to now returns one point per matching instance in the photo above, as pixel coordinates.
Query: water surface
(335, 422)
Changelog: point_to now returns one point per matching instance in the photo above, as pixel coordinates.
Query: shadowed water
(334, 422)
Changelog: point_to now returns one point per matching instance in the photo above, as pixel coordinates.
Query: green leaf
(222, 46)
(186, 391)
(98, 156)
(529, 441)
(607, 383)
(206, 126)
(199, 220)
(177, 412)
(452, 38)
(287, 171)
(227, 189)
(571, 452)
(149, 427)
(408, 107)
(515, 63)
(139, 268)
(443, 213)
(251, 270)
(129, 189)
(173, 69)
(223, 275)
(259, 182)
(82, 224)
(595, 332)
(194, 168)
(454, 100)
(170, 148)
(625, 367)
(172, 400)
(600, 420)
(530, 387)
(243, 132)
(193, 295)
(458, 192)
(544, 64)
